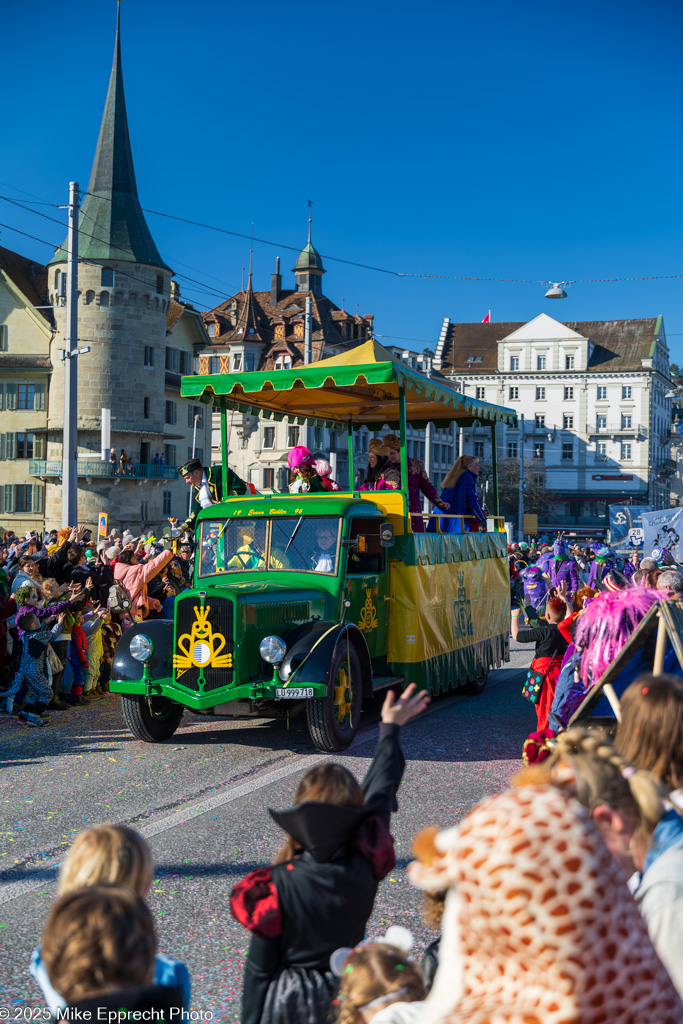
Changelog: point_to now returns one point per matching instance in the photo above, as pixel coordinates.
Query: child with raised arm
(319, 893)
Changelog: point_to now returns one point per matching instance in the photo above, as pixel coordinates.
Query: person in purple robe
(535, 593)
(563, 568)
(601, 566)
(418, 481)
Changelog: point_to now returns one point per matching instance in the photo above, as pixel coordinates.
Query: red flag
(487, 318)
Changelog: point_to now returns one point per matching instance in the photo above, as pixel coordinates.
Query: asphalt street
(202, 802)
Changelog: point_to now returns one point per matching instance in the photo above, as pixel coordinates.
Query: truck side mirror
(386, 535)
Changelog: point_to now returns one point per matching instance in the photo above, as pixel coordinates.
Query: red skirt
(551, 668)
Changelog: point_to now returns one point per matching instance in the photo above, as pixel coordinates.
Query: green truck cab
(311, 603)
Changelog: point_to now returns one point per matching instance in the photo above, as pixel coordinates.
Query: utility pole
(69, 356)
(520, 504)
(70, 433)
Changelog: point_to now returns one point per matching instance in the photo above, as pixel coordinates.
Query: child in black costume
(319, 894)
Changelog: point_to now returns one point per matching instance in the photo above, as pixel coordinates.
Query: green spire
(112, 224)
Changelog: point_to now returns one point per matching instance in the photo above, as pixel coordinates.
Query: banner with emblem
(664, 529)
(448, 617)
(624, 522)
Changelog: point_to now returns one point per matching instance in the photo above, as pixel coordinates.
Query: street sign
(102, 525)
(636, 536)
(530, 523)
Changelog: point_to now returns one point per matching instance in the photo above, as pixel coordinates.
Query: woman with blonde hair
(459, 490)
(109, 855)
(379, 983)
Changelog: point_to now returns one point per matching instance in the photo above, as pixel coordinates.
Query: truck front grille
(198, 635)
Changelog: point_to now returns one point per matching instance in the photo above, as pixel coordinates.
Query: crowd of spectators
(65, 602)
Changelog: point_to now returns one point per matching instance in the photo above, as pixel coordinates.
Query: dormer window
(474, 359)
(283, 362)
(212, 330)
(279, 332)
(298, 330)
(107, 277)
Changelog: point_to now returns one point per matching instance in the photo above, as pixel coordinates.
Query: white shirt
(324, 562)
(204, 496)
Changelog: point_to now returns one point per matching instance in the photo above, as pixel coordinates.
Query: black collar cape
(323, 830)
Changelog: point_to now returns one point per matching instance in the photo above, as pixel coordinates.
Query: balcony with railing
(46, 468)
(611, 429)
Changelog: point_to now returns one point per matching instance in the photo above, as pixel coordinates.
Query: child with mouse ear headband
(379, 982)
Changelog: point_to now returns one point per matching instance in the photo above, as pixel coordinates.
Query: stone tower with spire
(123, 300)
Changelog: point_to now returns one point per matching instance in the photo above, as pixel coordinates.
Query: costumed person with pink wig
(324, 471)
(602, 630)
(303, 477)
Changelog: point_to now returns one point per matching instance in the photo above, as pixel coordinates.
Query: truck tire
(475, 686)
(333, 720)
(155, 724)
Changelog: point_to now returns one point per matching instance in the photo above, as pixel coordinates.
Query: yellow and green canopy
(363, 387)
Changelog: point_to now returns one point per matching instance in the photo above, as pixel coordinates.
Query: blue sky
(486, 140)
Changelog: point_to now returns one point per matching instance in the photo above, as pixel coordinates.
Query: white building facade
(590, 397)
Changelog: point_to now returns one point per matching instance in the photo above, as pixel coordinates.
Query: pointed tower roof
(251, 324)
(112, 224)
(309, 258)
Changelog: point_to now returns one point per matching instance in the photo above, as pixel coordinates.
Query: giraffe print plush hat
(539, 926)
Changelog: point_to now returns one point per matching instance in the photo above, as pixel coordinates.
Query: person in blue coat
(460, 492)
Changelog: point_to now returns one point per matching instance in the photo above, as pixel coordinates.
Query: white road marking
(14, 890)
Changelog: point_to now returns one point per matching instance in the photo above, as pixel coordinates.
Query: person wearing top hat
(207, 484)
(417, 481)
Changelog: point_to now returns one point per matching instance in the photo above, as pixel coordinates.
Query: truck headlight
(272, 649)
(141, 647)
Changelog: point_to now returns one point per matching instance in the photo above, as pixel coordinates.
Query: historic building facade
(593, 417)
(141, 338)
(263, 330)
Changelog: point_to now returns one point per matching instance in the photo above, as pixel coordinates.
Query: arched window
(89, 297)
(104, 298)
(107, 277)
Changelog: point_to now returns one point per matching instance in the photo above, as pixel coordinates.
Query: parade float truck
(311, 603)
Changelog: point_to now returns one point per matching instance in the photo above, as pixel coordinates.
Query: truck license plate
(294, 692)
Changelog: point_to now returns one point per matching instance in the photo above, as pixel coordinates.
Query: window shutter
(10, 446)
(38, 446)
(4, 344)
(2, 397)
(7, 503)
(2, 447)
(10, 395)
(40, 397)
(37, 504)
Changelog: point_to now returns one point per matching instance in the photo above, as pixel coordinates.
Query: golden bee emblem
(201, 648)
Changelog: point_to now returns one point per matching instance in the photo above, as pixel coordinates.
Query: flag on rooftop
(487, 318)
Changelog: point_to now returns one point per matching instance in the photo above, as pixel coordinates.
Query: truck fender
(327, 636)
(126, 668)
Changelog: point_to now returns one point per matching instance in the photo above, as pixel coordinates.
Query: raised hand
(400, 710)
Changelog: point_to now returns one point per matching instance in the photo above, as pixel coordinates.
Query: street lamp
(556, 292)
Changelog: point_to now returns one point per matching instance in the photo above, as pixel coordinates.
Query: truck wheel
(333, 720)
(475, 686)
(152, 722)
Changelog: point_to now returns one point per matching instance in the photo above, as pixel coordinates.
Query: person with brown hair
(98, 948)
(379, 983)
(418, 481)
(650, 733)
(550, 649)
(319, 893)
(111, 855)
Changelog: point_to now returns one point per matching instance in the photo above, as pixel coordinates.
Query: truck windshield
(288, 543)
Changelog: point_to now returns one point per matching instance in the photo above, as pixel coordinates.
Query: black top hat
(190, 466)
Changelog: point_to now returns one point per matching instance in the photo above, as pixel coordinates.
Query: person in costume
(563, 567)
(602, 564)
(418, 481)
(535, 593)
(303, 477)
(318, 895)
(539, 925)
(459, 490)
(550, 648)
(324, 471)
(378, 460)
(208, 488)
